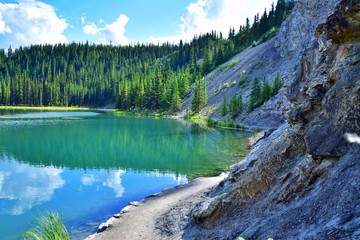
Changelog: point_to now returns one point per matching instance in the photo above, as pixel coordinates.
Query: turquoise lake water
(87, 166)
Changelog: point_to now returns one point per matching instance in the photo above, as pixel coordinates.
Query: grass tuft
(48, 227)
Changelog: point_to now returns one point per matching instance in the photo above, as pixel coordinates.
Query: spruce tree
(185, 85)
(175, 100)
(278, 83)
(206, 65)
(255, 94)
(196, 102)
(224, 107)
(203, 92)
(266, 91)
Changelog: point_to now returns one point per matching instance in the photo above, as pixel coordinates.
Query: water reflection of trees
(126, 143)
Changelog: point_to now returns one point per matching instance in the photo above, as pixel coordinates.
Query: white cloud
(111, 179)
(206, 15)
(114, 32)
(20, 185)
(3, 27)
(30, 22)
(90, 29)
(83, 19)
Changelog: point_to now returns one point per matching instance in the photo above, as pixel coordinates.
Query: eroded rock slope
(303, 181)
(279, 56)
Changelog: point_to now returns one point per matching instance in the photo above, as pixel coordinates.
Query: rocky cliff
(303, 181)
(279, 56)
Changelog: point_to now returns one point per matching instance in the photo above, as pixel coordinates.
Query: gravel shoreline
(160, 216)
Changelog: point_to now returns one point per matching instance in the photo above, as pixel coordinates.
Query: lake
(87, 165)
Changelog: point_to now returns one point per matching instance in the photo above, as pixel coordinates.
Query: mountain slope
(279, 56)
(302, 182)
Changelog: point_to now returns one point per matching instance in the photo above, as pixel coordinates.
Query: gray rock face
(297, 32)
(301, 182)
(279, 56)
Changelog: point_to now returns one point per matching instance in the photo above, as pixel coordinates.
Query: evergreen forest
(135, 76)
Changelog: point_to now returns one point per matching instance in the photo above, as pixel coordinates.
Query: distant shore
(47, 108)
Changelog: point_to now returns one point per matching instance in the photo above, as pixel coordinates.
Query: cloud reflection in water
(111, 179)
(23, 186)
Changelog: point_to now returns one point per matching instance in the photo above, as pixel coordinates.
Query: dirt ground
(162, 216)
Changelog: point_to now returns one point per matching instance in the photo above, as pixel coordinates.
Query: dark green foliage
(140, 76)
(175, 100)
(226, 124)
(265, 26)
(255, 94)
(200, 97)
(207, 65)
(243, 81)
(278, 83)
(261, 92)
(236, 105)
(266, 91)
(224, 110)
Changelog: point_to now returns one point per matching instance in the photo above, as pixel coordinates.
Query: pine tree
(175, 100)
(185, 85)
(236, 105)
(278, 83)
(206, 65)
(196, 103)
(200, 96)
(255, 94)
(203, 92)
(224, 107)
(219, 56)
(266, 91)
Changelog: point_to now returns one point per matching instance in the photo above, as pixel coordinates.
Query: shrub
(243, 81)
(225, 85)
(269, 34)
(232, 63)
(257, 65)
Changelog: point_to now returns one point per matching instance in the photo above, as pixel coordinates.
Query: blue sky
(26, 22)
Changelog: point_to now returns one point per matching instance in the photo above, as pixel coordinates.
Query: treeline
(141, 76)
(261, 91)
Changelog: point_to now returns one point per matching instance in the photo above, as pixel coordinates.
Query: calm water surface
(87, 166)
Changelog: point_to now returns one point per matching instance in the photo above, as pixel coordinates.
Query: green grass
(48, 227)
(226, 124)
(47, 108)
(206, 121)
(197, 119)
(138, 114)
